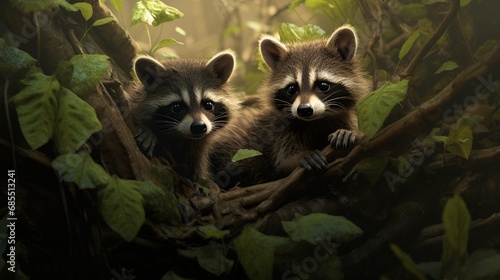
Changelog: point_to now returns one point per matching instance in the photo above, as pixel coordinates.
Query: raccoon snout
(305, 110)
(198, 127)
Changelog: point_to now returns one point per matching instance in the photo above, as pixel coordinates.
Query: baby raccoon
(309, 96)
(179, 105)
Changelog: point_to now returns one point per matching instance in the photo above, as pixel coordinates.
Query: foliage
(374, 108)
(455, 263)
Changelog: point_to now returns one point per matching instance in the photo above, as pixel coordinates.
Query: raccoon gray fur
(309, 96)
(179, 104)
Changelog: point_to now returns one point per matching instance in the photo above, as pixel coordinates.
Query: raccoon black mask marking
(179, 105)
(309, 98)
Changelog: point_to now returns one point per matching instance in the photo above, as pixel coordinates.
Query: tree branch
(454, 8)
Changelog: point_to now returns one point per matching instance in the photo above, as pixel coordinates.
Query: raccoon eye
(208, 105)
(323, 87)
(177, 108)
(292, 89)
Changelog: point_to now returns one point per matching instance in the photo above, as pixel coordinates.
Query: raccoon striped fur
(179, 105)
(309, 102)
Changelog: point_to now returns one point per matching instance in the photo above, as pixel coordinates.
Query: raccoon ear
(272, 50)
(222, 64)
(146, 68)
(344, 42)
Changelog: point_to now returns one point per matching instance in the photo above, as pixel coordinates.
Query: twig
(31, 154)
(454, 7)
(391, 137)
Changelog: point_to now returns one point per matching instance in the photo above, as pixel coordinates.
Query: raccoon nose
(305, 110)
(198, 127)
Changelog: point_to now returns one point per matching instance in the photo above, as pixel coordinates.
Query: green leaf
(120, 204)
(372, 167)
(88, 70)
(482, 264)
(67, 6)
(180, 31)
(456, 221)
(85, 9)
(447, 66)
(211, 258)
(102, 21)
(464, 3)
(36, 106)
(256, 253)
(161, 204)
(374, 108)
(118, 5)
(318, 226)
(153, 12)
(295, 4)
(164, 43)
(172, 276)
(460, 137)
(407, 262)
(242, 154)
(76, 122)
(82, 170)
(13, 60)
(290, 32)
(408, 44)
(484, 48)
(210, 231)
(29, 6)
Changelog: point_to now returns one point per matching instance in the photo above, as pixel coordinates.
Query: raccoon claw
(314, 161)
(342, 138)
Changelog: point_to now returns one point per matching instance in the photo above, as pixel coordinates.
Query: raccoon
(309, 102)
(179, 105)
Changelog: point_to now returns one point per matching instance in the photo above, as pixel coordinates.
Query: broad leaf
(102, 21)
(316, 227)
(374, 108)
(13, 60)
(407, 262)
(447, 66)
(210, 231)
(460, 137)
(408, 44)
(290, 32)
(456, 221)
(161, 204)
(82, 170)
(211, 258)
(76, 122)
(153, 12)
(180, 31)
(67, 6)
(372, 167)
(120, 204)
(482, 264)
(88, 70)
(164, 43)
(36, 107)
(256, 253)
(242, 154)
(85, 9)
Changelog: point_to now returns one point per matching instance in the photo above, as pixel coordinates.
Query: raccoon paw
(314, 161)
(342, 138)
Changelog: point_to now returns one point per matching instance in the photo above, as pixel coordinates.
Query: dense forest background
(416, 198)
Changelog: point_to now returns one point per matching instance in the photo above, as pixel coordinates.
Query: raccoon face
(185, 98)
(312, 80)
